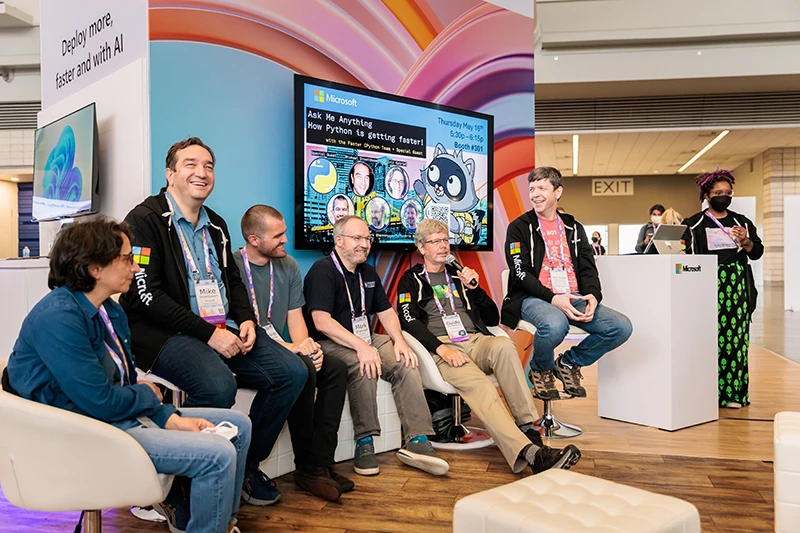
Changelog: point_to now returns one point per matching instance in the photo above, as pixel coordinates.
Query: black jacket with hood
(157, 303)
(524, 249)
(414, 319)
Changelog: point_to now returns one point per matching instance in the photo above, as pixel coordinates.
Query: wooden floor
(722, 467)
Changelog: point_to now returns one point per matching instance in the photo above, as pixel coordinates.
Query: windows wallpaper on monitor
(391, 161)
(63, 159)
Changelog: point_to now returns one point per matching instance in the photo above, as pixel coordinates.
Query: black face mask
(719, 203)
(595, 239)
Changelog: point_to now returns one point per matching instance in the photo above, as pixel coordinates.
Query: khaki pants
(409, 397)
(497, 355)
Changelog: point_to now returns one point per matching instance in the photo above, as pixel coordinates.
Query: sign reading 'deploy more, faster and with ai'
(83, 41)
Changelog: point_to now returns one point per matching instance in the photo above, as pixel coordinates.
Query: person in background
(733, 238)
(74, 353)
(647, 231)
(275, 287)
(448, 312)
(597, 246)
(671, 216)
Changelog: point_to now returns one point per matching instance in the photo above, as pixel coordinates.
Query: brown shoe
(345, 483)
(318, 482)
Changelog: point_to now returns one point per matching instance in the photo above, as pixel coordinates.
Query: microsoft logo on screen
(322, 97)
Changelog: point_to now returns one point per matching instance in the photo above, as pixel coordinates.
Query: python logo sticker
(319, 96)
(141, 255)
(322, 175)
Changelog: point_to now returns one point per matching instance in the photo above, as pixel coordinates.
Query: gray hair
(428, 227)
(338, 227)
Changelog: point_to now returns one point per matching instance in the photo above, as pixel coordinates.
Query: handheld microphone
(452, 261)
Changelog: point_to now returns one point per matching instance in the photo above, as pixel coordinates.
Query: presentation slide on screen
(392, 163)
(62, 168)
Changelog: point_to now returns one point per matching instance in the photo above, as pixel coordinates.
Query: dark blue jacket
(60, 359)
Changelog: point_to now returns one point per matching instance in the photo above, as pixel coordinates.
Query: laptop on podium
(666, 240)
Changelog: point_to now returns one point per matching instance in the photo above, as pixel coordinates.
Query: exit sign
(612, 187)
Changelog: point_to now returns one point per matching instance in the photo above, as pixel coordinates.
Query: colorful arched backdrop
(222, 70)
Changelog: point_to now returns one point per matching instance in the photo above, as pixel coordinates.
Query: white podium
(23, 282)
(665, 376)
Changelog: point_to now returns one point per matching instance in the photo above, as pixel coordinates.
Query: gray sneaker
(571, 377)
(544, 384)
(364, 461)
(422, 455)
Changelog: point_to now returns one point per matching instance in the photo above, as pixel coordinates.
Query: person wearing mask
(733, 238)
(597, 246)
(647, 231)
(74, 353)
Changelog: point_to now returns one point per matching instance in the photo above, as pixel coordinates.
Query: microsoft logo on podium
(680, 269)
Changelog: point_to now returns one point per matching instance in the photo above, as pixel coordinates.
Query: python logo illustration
(322, 175)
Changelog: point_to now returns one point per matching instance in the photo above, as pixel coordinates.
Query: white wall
(123, 120)
(9, 219)
(791, 253)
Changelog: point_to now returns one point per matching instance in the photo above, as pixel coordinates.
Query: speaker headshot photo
(362, 179)
(396, 182)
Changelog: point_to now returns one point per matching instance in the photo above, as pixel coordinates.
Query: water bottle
(26, 252)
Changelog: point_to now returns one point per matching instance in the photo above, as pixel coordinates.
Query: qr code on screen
(439, 212)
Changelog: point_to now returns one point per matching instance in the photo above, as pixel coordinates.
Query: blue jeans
(214, 464)
(608, 330)
(208, 380)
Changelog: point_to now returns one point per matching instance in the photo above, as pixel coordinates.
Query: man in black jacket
(448, 313)
(190, 317)
(553, 283)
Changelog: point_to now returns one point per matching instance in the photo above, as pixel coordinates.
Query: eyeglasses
(437, 242)
(721, 193)
(128, 258)
(359, 239)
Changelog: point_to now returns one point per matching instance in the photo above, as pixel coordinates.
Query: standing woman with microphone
(732, 237)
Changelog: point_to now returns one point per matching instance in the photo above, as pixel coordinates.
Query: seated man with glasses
(448, 312)
(342, 291)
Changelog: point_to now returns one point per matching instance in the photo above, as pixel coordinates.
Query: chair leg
(549, 426)
(466, 438)
(92, 521)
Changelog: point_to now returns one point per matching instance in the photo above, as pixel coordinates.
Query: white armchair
(55, 460)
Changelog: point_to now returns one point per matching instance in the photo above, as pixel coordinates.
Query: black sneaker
(175, 508)
(544, 385)
(547, 458)
(318, 481)
(422, 455)
(345, 483)
(571, 377)
(258, 488)
(364, 461)
(534, 436)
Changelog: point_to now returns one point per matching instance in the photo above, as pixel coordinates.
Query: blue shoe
(175, 508)
(258, 488)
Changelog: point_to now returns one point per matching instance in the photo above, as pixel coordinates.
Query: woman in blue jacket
(73, 352)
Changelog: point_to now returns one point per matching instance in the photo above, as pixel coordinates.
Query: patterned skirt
(734, 334)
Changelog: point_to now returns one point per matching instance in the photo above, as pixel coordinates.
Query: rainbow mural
(465, 53)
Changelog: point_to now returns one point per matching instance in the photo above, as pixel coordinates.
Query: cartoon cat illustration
(449, 179)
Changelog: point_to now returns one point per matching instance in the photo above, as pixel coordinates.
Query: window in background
(628, 234)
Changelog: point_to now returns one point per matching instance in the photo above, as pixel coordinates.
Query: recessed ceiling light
(655, 172)
(575, 155)
(705, 149)
(555, 58)
(699, 53)
(15, 178)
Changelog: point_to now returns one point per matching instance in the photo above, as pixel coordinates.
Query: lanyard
(559, 232)
(597, 250)
(187, 253)
(347, 289)
(119, 360)
(253, 288)
(449, 291)
(723, 228)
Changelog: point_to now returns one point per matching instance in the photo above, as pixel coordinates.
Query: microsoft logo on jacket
(405, 298)
(141, 255)
(514, 248)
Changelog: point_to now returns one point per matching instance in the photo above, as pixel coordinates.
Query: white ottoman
(559, 501)
(787, 472)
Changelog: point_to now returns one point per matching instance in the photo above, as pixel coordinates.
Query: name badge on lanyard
(206, 291)
(360, 323)
(268, 327)
(452, 323)
(559, 280)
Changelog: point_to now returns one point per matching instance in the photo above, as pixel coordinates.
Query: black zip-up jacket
(414, 319)
(524, 251)
(157, 303)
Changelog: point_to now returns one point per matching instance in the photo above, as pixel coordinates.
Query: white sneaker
(147, 514)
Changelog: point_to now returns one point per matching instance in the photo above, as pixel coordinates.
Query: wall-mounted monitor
(66, 166)
(392, 161)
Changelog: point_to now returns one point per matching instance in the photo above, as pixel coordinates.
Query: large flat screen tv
(391, 161)
(65, 167)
